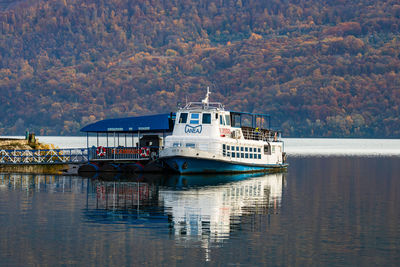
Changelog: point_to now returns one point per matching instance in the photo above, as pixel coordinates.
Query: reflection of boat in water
(181, 181)
(131, 200)
(209, 213)
(195, 208)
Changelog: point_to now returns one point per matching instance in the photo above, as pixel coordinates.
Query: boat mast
(205, 101)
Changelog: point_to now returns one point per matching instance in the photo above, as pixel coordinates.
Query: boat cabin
(214, 122)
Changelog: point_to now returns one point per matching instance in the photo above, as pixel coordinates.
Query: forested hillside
(320, 68)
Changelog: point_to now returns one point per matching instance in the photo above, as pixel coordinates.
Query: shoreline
(34, 168)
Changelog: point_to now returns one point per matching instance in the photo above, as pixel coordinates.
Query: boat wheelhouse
(208, 138)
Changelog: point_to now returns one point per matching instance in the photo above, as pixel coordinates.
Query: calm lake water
(328, 209)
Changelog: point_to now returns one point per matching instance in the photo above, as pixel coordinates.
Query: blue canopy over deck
(153, 123)
(144, 131)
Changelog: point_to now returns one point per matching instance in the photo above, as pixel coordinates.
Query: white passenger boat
(208, 139)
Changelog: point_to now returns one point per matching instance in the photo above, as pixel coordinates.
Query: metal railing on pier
(44, 156)
(77, 155)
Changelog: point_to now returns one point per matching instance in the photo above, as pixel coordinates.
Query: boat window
(221, 120)
(206, 118)
(183, 118)
(241, 148)
(251, 155)
(233, 154)
(228, 154)
(242, 155)
(190, 145)
(176, 145)
(267, 149)
(255, 156)
(228, 147)
(223, 150)
(233, 148)
(228, 120)
(237, 148)
(246, 155)
(251, 149)
(246, 149)
(235, 119)
(259, 150)
(259, 156)
(194, 118)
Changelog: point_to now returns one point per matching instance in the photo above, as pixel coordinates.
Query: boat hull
(192, 165)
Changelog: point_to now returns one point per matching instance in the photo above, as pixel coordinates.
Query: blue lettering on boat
(193, 129)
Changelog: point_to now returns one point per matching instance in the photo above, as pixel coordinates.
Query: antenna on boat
(205, 100)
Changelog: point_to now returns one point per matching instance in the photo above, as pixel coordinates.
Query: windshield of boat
(227, 120)
(183, 118)
(206, 118)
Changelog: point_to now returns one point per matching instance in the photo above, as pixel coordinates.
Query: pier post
(114, 145)
(87, 145)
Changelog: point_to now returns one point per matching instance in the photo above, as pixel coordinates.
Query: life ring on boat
(144, 152)
(101, 151)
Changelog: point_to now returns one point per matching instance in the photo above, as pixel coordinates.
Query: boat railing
(200, 105)
(266, 135)
(123, 153)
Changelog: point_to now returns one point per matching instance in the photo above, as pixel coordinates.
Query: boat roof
(249, 113)
(151, 123)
